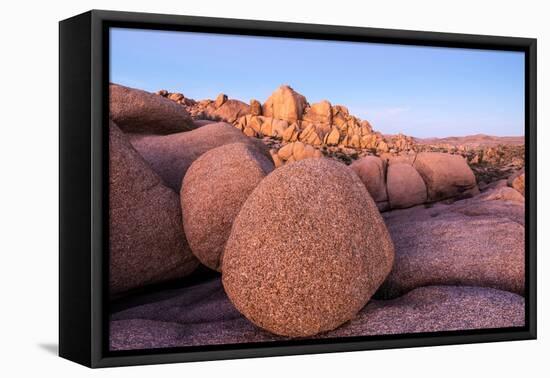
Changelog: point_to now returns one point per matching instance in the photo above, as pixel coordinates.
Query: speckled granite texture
(307, 250)
(203, 315)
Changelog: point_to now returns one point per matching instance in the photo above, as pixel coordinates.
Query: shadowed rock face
(146, 242)
(473, 242)
(213, 191)
(171, 155)
(372, 172)
(137, 111)
(311, 222)
(203, 315)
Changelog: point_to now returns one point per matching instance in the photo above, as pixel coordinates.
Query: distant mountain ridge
(474, 140)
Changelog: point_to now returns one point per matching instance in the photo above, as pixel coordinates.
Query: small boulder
(137, 111)
(320, 112)
(286, 151)
(343, 251)
(333, 138)
(171, 155)
(445, 175)
(502, 193)
(517, 181)
(231, 110)
(286, 104)
(213, 191)
(405, 186)
(177, 97)
(147, 245)
(255, 107)
(372, 171)
(220, 100)
(291, 133)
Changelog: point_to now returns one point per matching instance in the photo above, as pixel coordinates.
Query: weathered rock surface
(285, 104)
(294, 151)
(311, 221)
(445, 175)
(517, 181)
(147, 244)
(213, 191)
(171, 155)
(220, 100)
(137, 111)
(203, 315)
(230, 110)
(474, 242)
(255, 107)
(503, 193)
(372, 171)
(320, 112)
(405, 186)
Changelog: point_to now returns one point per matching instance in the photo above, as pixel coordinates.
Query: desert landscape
(239, 220)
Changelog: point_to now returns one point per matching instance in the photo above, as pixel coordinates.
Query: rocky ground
(407, 235)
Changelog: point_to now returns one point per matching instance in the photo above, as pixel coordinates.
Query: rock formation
(137, 111)
(146, 244)
(171, 155)
(213, 191)
(311, 221)
(405, 186)
(445, 175)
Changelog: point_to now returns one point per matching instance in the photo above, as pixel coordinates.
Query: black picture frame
(83, 182)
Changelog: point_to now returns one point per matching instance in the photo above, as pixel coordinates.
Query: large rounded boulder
(171, 155)
(213, 191)
(147, 244)
(307, 250)
(445, 175)
(372, 171)
(137, 111)
(405, 186)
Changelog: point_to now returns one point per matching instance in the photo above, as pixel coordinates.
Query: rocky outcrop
(149, 248)
(405, 186)
(213, 191)
(203, 315)
(295, 227)
(229, 110)
(476, 242)
(285, 104)
(171, 155)
(294, 151)
(445, 175)
(137, 111)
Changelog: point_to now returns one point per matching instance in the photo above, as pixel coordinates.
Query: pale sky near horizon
(419, 91)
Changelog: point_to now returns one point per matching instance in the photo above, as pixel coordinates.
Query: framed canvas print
(235, 188)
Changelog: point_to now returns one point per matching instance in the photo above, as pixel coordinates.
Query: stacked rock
(294, 151)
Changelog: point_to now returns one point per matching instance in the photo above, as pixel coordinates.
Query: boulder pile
(409, 180)
(248, 211)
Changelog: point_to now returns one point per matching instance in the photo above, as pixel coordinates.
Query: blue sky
(419, 91)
